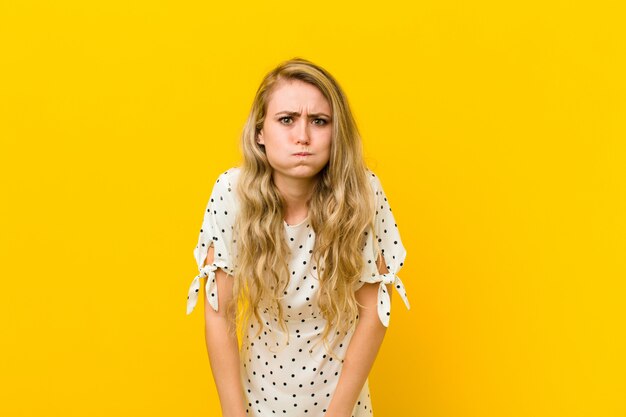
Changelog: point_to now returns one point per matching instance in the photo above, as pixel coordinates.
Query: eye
(283, 118)
(323, 122)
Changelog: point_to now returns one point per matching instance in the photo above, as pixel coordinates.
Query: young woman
(300, 248)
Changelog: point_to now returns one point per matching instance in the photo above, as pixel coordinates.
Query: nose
(302, 133)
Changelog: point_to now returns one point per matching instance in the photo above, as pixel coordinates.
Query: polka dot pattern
(289, 374)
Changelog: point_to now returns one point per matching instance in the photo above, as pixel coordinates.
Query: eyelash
(289, 117)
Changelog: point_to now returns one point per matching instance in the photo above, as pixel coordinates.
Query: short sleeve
(386, 241)
(216, 231)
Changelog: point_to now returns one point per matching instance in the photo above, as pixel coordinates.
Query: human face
(297, 130)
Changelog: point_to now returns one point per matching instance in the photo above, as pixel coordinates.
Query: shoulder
(223, 193)
(226, 181)
(374, 181)
(228, 177)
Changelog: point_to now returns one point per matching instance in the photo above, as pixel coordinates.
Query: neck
(296, 192)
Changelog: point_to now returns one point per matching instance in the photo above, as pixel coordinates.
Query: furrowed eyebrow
(295, 113)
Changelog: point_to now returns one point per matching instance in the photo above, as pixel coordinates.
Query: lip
(302, 154)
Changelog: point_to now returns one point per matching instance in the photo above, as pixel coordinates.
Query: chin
(309, 173)
(299, 171)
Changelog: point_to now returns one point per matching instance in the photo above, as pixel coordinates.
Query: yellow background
(497, 129)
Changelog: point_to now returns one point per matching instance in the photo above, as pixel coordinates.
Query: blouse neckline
(306, 219)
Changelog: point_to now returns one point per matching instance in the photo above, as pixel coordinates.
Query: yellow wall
(497, 128)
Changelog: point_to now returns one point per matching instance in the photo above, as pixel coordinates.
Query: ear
(259, 138)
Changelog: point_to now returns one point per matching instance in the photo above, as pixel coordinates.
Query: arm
(362, 350)
(223, 348)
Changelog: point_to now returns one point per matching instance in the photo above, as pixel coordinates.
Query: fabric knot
(384, 302)
(210, 288)
(388, 278)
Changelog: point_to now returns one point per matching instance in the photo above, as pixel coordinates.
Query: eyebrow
(295, 113)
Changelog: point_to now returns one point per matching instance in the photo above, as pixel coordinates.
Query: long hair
(340, 212)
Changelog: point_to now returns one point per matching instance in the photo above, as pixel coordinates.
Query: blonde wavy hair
(340, 210)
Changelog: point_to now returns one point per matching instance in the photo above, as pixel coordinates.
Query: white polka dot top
(295, 377)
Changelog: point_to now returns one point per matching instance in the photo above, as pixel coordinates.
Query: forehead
(297, 95)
